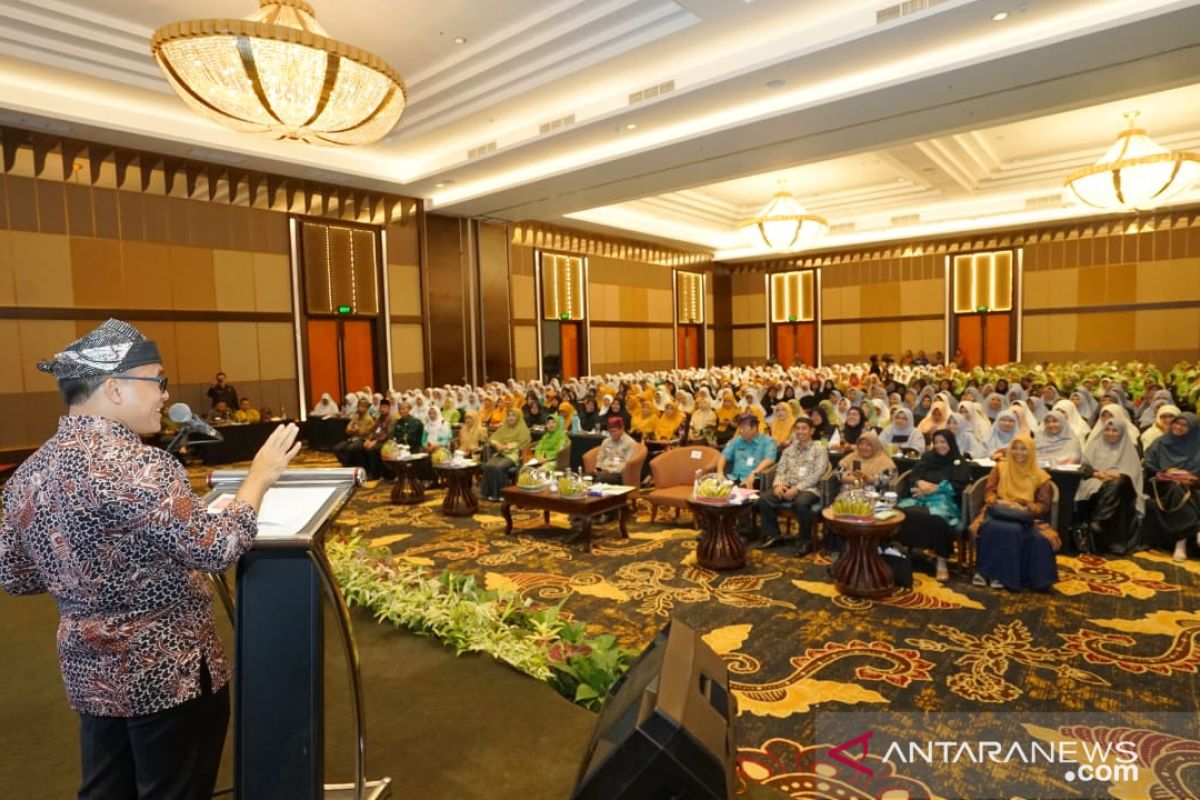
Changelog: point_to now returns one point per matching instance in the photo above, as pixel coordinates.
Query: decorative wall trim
(1166, 305)
(896, 318)
(567, 240)
(84, 162)
(142, 314)
(407, 319)
(630, 324)
(1083, 228)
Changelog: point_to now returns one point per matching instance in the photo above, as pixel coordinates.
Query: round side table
(408, 489)
(720, 547)
(861, 571)
(460, 495)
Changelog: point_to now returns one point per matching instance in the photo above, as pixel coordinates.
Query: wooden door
(324, 364)
(570, 350)
(358, 354)
(687, 346)
(986, 339)
(795, 342)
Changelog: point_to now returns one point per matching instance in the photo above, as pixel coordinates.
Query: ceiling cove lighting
(278, 73)
(1135, 173)
(784, 223)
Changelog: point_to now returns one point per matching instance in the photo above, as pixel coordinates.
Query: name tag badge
(749, 461)
(696, 454)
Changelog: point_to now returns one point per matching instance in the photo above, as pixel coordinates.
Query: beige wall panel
(597, 347)
(831, 342)
(1121, 283)
(38, 340)
(12, 371)
(662, 305)
(96, 273)
(597, 302)
(198, 348)
(612, 301)
(661, 350)
(239, 350)
(1166, 329)
(922, 296)
(746, 283)
(277, 351)
(404, 289)
(408, 380)
(1050, 332)
(1093, 287)
(1106, 331)
(525, 346)
(233, 280)
(1165, 281)
(710, 347)
(879, 300)
(8, 292)
(193, 286)
(641, 304)
(524, 296)
(272, 282)
(1034, 333)
(851, 302)
(41, 266)
(831, 303)
(851, 339)
(147, 272)
(408, 349)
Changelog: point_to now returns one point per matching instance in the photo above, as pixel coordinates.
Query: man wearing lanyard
(748, 454)
(110, 527)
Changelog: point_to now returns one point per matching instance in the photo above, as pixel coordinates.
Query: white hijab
(325, 407)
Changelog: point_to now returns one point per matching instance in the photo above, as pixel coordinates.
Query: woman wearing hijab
(1075, 422)
(1111, 492)
(1026, 422)
(669, 423)
(535, 415)
(1117, 412)
(964, 435)
(1014, 540)
(703, 424)
(902, 434)
(350, 405)
(993, 405)
(1087, 405)
(553, 441)
(881, 415)
(852, 427)
(472, 436)
(1162, 423)
(616, 410)
(936, 419)
(507, 443)
(868, 463)
(1172, 466)
(567, 421)
(437, 435)
(325, 407)
(1056, 443)
(645, 420)
(781, 425)
(981, 426)
(1003, 432)
(727, 415)
(931, 496)
(822, 428)
(1160, 398)
(588, 419)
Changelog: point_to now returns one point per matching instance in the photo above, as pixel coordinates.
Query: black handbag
(1010, 514)
(1172, 507)
(1085, 541)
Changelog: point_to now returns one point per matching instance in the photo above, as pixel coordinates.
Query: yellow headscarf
(1021, 481)
(781, 428)
(668, 422)
(645, 421)
(566, 411)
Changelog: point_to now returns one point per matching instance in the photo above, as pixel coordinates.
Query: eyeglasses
(161, 380)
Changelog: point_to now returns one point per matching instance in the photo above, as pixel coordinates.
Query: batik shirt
(112, 530)
(802, 465)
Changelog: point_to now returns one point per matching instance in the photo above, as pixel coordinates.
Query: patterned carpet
(1115, 635)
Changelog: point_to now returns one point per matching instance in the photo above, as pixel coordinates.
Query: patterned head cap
(113, 347)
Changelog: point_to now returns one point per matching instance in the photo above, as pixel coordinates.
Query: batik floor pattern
(1114, 635)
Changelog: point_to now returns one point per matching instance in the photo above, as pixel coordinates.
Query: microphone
(179, 412)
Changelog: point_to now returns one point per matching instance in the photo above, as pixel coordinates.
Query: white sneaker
(995, 584)
(1180, 551)
(942, 572)
(979, 580)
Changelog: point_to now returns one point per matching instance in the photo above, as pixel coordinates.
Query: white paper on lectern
(287, 509)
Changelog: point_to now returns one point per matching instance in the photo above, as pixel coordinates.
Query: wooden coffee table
(861, 571)
(408, 489)
(588, 506)
(720, 547)
(460, 496)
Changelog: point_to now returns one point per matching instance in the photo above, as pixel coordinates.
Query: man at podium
(111, 529)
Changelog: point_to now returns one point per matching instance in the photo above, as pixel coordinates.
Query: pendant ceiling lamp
(1135, 173)
(278, 73)
(784, 223)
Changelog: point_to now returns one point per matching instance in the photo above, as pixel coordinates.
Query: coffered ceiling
(671, 119)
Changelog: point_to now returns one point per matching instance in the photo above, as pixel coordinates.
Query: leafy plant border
(453, 608)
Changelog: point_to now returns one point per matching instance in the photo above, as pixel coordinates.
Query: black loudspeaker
(666, 730)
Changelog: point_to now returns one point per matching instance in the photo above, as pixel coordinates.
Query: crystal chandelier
(278, 73)
(784, 223)
(1135, 173)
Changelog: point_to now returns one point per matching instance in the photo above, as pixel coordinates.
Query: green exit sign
(564, 315)
(982, 309)
(792, 318)
(345, 309)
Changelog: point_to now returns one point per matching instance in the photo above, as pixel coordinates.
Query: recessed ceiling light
(776, 84)
(443, 184)
(1000, 16)
(630, 126)
(460, 40)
